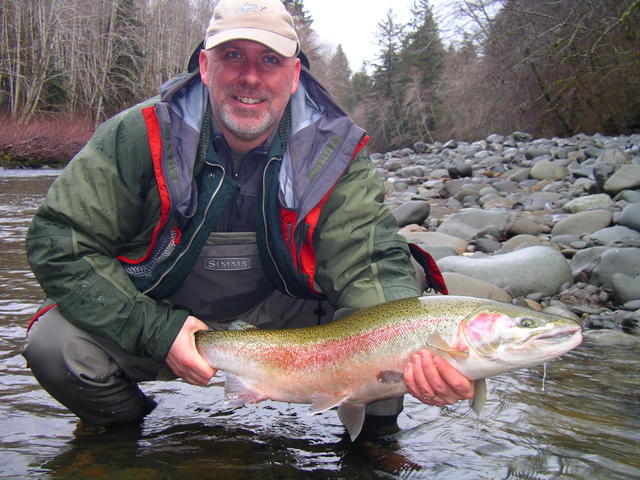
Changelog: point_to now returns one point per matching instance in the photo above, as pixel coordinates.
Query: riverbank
(45, 142)
(553, 224)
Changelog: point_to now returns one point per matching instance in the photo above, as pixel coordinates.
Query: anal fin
(352, 417)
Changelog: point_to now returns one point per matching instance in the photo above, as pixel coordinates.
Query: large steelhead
(360, 358)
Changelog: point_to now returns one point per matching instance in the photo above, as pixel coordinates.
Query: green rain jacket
(119, 227)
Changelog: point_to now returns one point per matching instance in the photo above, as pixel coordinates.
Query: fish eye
(527, 322)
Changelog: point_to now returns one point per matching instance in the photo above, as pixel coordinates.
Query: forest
(548, 67)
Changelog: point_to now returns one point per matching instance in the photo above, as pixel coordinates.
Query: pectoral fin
(238, 393)
(352, 417)
(479, 396)
(323, 402)
(436, 341)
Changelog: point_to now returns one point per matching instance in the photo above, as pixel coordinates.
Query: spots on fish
(390, 376)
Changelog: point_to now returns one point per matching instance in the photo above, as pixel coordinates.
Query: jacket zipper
(266, 227)
(204, 216)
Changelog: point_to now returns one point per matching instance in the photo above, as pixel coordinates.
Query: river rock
(612, 156)
(625, 321)
(584, 262)
(630, 216)
(549, 170)
(616, 236)
(439, 251)
(606, 262)
(474, 222)
(611, 338)
(631, 196)
(583, 222)
(435, 239)
(415, 211)
(420, 147)
(590, 202)
(521, 272)
(460, 284)
(583, 298)
(625, 288)
(523, 224)
(486, 244)
(541, 201)
(521, 241)
(626, 178)
(561, 310)
(497, 203)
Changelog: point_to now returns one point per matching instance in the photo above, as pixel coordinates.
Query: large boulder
(536, 269)
(580, 223)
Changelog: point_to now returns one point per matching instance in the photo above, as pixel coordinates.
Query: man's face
(249, 87)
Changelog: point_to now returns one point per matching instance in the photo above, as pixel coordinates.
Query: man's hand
(433, 381)
(183, 357)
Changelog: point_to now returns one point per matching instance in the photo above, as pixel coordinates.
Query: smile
(248, 100)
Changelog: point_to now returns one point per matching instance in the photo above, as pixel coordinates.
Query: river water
(579, 421)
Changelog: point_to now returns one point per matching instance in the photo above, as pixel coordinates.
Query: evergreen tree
(383, 102)
(309, 43)
(423, 49)
(422, 62)
(339, 79)
(387, 64)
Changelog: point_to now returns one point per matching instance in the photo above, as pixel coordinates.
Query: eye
(233, 55)
(527, 323)
(271, 59)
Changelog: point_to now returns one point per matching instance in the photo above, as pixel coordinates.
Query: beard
(243, 122)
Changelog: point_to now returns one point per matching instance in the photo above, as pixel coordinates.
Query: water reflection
(585, 424)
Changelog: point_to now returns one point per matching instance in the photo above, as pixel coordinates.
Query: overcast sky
(354, 23)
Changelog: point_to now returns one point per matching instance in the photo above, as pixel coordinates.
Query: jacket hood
(321, 142)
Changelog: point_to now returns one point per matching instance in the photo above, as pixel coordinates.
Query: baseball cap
(263, 21)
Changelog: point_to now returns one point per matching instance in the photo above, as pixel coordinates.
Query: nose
(250, 74)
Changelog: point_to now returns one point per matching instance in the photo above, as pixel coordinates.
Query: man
(241, 193)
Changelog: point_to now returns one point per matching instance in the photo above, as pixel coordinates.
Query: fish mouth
(569, 337)
(556, 335)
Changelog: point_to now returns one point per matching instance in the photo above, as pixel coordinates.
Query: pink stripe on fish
(328, 352)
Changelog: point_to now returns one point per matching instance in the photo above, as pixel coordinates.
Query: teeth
(247, 100)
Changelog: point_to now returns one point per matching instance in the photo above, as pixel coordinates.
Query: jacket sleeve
(94, 208)
(361, 259)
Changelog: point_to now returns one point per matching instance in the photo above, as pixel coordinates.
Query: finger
(458, 384)
(196, 371)
(417, 383)
(444, 395)
(409, 380)
(202, 374)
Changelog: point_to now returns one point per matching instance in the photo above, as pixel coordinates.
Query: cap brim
(285, 46)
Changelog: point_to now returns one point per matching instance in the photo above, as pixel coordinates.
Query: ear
(204, 64)
(296, 76)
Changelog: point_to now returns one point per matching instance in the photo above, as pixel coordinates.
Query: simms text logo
(250, 8)
(227, 264)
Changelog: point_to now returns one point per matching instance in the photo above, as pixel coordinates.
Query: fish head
(517, 336)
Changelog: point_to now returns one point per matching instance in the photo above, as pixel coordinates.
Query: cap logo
(250, 8)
